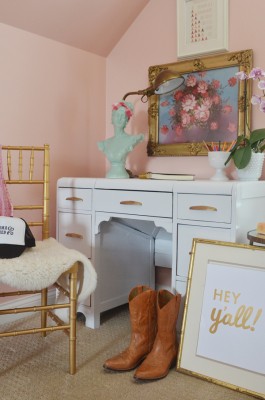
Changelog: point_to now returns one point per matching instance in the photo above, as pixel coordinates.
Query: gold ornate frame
(240, 59)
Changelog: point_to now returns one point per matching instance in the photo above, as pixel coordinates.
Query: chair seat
(41, 266)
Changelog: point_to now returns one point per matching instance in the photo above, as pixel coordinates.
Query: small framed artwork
(223, 328)
(210, 105)
(202, 27)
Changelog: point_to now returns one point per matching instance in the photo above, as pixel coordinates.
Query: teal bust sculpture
(121, 144)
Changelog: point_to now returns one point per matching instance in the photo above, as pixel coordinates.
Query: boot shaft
(143, 316)
(167, 313)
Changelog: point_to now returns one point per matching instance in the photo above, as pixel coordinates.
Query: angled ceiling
(91, 25)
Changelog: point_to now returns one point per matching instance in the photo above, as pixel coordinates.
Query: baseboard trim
(25, 301)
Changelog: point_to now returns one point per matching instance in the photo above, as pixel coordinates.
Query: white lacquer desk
(115, 223)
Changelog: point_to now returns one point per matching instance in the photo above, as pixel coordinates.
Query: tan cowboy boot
(164, 352)
(142, 307)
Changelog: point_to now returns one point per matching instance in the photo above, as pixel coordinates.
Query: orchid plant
(244, 146)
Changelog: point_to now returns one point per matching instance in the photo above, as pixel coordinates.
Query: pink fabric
(6, 207)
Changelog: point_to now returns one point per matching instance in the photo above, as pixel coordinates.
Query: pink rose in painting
(216, 83)
(164, 129)
(232, 81)
(172, 112)
(207, 102)
(202, 87)
(216, 99)
(164, 103)
(185, 119)
(178, 130)
(191, 81)
(214, 126)
(178, 95)
(232, 127)
(188, 102)
(202, 114)
(227, 109)
(202, 103)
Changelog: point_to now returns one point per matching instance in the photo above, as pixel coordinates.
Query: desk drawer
(74, 199)
(157, 204)
(197, 207)
(74, 231)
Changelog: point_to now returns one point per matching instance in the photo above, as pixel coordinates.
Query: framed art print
(208, 107)
(202, 27)
(223, 328)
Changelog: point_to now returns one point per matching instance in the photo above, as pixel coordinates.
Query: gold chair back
(28, 166)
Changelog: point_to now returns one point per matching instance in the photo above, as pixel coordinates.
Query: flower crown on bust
(128, 111)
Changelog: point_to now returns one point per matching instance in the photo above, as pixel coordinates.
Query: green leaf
(257, 135)
(242, 156)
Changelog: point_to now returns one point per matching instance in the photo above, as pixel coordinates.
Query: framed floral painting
(210, 107)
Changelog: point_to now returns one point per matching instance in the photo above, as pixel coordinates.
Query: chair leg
(44, 295)
(72, 336)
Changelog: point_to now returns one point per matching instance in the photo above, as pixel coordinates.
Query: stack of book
(172, 177)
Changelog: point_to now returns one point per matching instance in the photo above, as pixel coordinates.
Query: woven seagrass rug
(36, 368)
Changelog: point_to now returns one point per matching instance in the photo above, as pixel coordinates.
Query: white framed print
(202, 27)
(222, 337)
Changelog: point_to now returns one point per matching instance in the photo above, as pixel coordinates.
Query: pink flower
(188, 102)
(216, 84)
(232, 81)
(191, 81)
(227, 109)
(128, 111)
(216, 99)
(185, 119)
(241, 75)
(178, 130)
(214, 126)
(261, 85)
(164, 103)
(178, 95)
(172, 112)
(256, 73)
(232, 127)
(164, 129)
(202, 87)
(202, 114)
(207, 102)
(255, 99)
(262, 106)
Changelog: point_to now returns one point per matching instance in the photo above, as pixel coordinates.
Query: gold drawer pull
(203, 208)
(74, 198)
(74, 235)
(131, 203)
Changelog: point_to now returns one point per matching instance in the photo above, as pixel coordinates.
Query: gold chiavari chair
(21, 155)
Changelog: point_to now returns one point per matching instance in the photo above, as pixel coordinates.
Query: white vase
(217, 160)
(253, 171)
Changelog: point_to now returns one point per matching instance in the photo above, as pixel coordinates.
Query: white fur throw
(41, 266)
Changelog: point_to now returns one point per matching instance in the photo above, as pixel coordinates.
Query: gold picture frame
(222, 336)
(174, 131)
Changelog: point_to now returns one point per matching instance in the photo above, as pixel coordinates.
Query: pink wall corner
(152, 40)
(55, 94)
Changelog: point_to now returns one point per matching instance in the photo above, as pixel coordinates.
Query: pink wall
(53, 93)
(152, 40)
